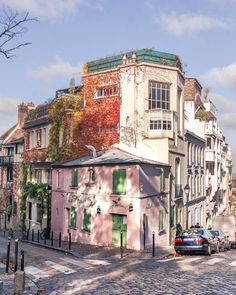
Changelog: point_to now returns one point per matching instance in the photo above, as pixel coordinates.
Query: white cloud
(226, 114)
(48, 8)
(56, 69)
(8, 106)
(225, 76)
(181, 24)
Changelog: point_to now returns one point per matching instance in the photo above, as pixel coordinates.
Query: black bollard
(69, 241)
(121, 245)
(27, 235)
(59, 239)
(32, 235)
(16, 255)
(8, 254)
(153, 244)
(22, 261)
(52, 238)
(45, 239)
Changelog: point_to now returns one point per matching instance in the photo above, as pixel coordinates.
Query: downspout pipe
(92, 149)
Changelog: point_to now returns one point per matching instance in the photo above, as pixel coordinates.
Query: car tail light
(200, 240)
(235, 234)
(178, 240)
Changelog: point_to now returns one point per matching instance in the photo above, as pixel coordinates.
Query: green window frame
(73, 217)
(162, 182)
(74, 178)
(87, 220)
(161, 220)
(119, 181)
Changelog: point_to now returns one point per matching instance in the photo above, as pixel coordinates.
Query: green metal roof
(142, 55)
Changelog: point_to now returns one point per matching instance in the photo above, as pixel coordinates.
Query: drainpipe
(92, 149)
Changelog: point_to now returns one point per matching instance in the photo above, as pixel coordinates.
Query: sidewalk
(83, 251)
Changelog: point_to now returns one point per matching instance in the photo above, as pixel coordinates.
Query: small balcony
(6, 161)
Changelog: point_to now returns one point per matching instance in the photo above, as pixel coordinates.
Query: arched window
(92, 175)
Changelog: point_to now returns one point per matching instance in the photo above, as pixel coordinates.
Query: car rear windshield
(215, 233)
(193, 232)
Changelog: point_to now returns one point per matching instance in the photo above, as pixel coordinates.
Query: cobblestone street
(60, 273)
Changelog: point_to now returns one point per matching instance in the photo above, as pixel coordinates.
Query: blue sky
(70, 32)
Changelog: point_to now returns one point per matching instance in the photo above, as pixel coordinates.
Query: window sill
(73, 187)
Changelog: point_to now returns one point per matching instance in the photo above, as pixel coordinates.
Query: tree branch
(11, 28)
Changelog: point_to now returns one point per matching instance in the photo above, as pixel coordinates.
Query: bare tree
(12, 27)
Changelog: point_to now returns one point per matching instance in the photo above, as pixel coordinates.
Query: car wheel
(208, 252)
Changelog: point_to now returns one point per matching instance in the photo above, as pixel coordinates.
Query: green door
(119, 224)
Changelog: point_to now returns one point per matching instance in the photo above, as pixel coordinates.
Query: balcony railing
(6, 161)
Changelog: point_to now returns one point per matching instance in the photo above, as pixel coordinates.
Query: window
(38, 176)
(159, 96)
(19, 148)
(58, 178)
(74, 178)
(92, 175)
(208, 143)
(72, 220)
(9, 174)
(29, 210)
(106, 91)
(161, 220)
(87, 220)
(119, 181)
(39, 137)
(161, 121)
(39, 213)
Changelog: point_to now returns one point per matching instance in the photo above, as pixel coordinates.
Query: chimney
(23, 112)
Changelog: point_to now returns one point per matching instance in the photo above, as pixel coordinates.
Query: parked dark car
(196, 240)
(222, 239)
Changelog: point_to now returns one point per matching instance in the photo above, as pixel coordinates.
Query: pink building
(95, 198)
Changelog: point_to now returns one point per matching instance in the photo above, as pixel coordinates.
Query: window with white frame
(106, 91)
(160, 121)
(159, 95)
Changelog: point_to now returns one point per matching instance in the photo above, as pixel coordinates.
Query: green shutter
(87, 220)
(73, 217)
(119, 181)
(74, 177)
(161, 217)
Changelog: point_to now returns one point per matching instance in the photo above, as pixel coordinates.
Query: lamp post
(187, 191)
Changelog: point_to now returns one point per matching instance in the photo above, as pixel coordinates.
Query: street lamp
(187, 191)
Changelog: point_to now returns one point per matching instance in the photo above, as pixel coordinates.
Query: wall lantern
(131, 208)
(187, 190)
(98, 209)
